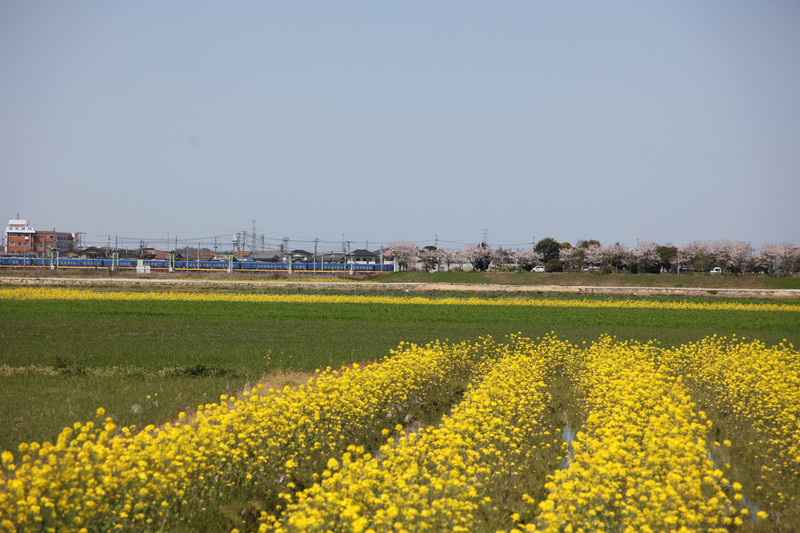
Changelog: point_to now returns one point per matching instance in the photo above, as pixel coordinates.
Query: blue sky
(616, 121)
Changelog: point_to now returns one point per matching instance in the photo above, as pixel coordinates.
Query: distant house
(91, 252)
(244, 255)
(269, 256)
(301, 256)
(333, 257)
(162, 255)
(365, 257)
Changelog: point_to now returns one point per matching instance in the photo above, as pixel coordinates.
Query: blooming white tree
(431, 257)
(787, 258)
(481, 256)
(774, 258)
(616, 256)
(690, 255)
(767, 257)
(571, 257)
(644, 255)
(449, 257)
(593, 255)
(403, 253)
(739, 254)
(527, 259)
(721, 252)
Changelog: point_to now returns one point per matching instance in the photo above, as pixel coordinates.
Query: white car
(716, 270)
(538, 269)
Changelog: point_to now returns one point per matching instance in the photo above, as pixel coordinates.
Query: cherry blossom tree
(739, 254)
(777, 258)
(766, 258)
(690, 255)
(449, 257)
(593, 255)
(788, 256)
(571, 257)
(527, 259)
(645, 257)
(404, 254)
(431, 257)
(480, 256)
(617, 256)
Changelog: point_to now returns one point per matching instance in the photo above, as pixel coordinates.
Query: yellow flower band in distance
(608, 303)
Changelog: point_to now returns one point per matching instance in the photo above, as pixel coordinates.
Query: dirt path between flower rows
(206, 284)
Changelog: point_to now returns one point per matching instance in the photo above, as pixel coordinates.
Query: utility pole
(316, 241)
(349, 258)
(254, 235)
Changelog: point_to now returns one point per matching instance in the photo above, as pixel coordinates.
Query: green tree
(586, 244)
(549, 248)
(667, 255)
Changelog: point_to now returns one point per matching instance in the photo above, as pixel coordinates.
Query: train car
(160, 264)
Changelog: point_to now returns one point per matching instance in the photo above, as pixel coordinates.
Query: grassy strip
(594, 279)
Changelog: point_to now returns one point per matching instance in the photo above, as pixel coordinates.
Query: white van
(716, 270)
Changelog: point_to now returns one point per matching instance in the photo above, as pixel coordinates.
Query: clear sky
(665, 121)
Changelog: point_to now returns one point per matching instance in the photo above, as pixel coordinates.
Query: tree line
(552, 256)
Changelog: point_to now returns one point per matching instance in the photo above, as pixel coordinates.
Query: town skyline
(242, 241)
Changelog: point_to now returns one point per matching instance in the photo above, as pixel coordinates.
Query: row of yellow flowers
(102, 478)
(758, 388)
(334, 455)
(640, 459)
(44, 293)
(445, 478)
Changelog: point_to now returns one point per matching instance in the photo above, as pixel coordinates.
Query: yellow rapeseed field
(44, 293)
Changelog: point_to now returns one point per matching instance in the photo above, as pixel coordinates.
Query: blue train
(156, 264)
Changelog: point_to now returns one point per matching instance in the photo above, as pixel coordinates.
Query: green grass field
(725, 281)
(146, 361)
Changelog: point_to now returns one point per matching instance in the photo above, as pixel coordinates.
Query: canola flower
(312, 457)
(101, 478)
(44, 293)
(758, 387)
(443, 478)
(640, 460)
